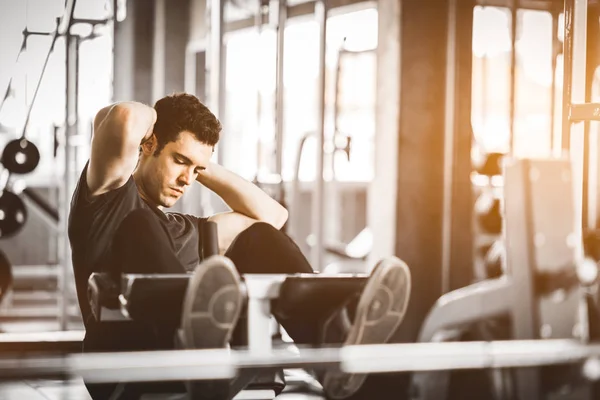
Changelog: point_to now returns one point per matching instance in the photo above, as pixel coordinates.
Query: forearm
(242, 196)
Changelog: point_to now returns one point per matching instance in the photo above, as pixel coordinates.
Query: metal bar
(567, 74)
(513, 71)
(577, 92)
(159, 49)
(215, 61)
(280, 90)
(449, 133)
(90, 21)
(540, 5)
(584, 112)
(175, 365)
(71, 114)
(47, 213)
(318, 194)
(48, 209)
(555, 52)
(259, 22)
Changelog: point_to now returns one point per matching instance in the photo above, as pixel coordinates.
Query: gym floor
(75, 390)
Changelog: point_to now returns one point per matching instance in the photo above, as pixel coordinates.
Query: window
(251, 95)
(491, 87)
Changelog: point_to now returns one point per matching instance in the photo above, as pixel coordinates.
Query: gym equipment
(540, 293)
(6, 276)
(488, 213)
(129, 300)
(13, 214)
(59, 342)
(20, 156)
(224, 364)
(489, 164)
(492, 255)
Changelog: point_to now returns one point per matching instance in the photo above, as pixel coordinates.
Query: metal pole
(72, 44)
(258, 22)
(567, 73)
(159, 50)
(513, 70)
(215, 60)
(575, 63)
(449, 130)
(215, 82)
(318, 196)
(555, 52)
(280, 91)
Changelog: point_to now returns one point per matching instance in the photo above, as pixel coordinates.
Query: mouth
(178, 192)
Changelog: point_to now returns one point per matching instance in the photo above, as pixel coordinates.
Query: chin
(168, 202)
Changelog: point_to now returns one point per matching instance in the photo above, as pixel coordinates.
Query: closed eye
(183, 160)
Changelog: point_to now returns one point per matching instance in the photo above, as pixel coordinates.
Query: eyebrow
(187, 160)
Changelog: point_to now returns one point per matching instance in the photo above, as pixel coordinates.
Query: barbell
(175, 365)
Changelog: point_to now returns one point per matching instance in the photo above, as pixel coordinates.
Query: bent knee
(262, 229)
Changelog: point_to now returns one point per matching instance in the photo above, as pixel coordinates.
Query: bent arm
(249, 204)
(119, 129)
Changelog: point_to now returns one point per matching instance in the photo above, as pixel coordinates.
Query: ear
(149, 145)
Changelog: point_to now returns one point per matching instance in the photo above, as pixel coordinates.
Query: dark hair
(184, 112)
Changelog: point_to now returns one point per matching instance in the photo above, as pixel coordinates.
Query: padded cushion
(305, 294)
(155, 297)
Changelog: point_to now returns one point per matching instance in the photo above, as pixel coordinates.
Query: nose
(187, 177)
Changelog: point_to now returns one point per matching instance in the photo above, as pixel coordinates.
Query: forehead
(187, 145)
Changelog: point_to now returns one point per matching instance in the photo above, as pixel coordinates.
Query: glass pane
(490, 109)
(249, 95)
(533, 84)
(355, 32)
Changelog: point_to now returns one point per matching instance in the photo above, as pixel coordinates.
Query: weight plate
(20, 156)
(13, 214)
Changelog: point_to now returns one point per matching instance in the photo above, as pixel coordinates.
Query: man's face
(167, 175)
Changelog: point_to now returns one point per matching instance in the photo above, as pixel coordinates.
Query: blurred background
(379, 125)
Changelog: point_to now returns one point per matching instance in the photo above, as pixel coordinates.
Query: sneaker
(211, 308)
(381, 308)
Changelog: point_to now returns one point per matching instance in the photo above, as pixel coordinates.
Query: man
(142, 160)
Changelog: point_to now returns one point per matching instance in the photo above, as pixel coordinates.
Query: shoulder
(83, 198)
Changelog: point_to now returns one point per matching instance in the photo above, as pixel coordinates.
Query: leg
(378, 314)
(370, 317)
(262, 249)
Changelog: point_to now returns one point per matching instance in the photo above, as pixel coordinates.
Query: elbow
(281, 218)
(122, 114)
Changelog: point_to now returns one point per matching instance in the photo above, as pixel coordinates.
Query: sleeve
(81, 195)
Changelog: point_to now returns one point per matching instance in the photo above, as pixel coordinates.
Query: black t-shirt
(92, 225)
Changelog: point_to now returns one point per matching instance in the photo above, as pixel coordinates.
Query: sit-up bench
(131, 299)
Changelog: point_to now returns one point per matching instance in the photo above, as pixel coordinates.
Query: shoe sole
(211, 309)
(380, 311)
